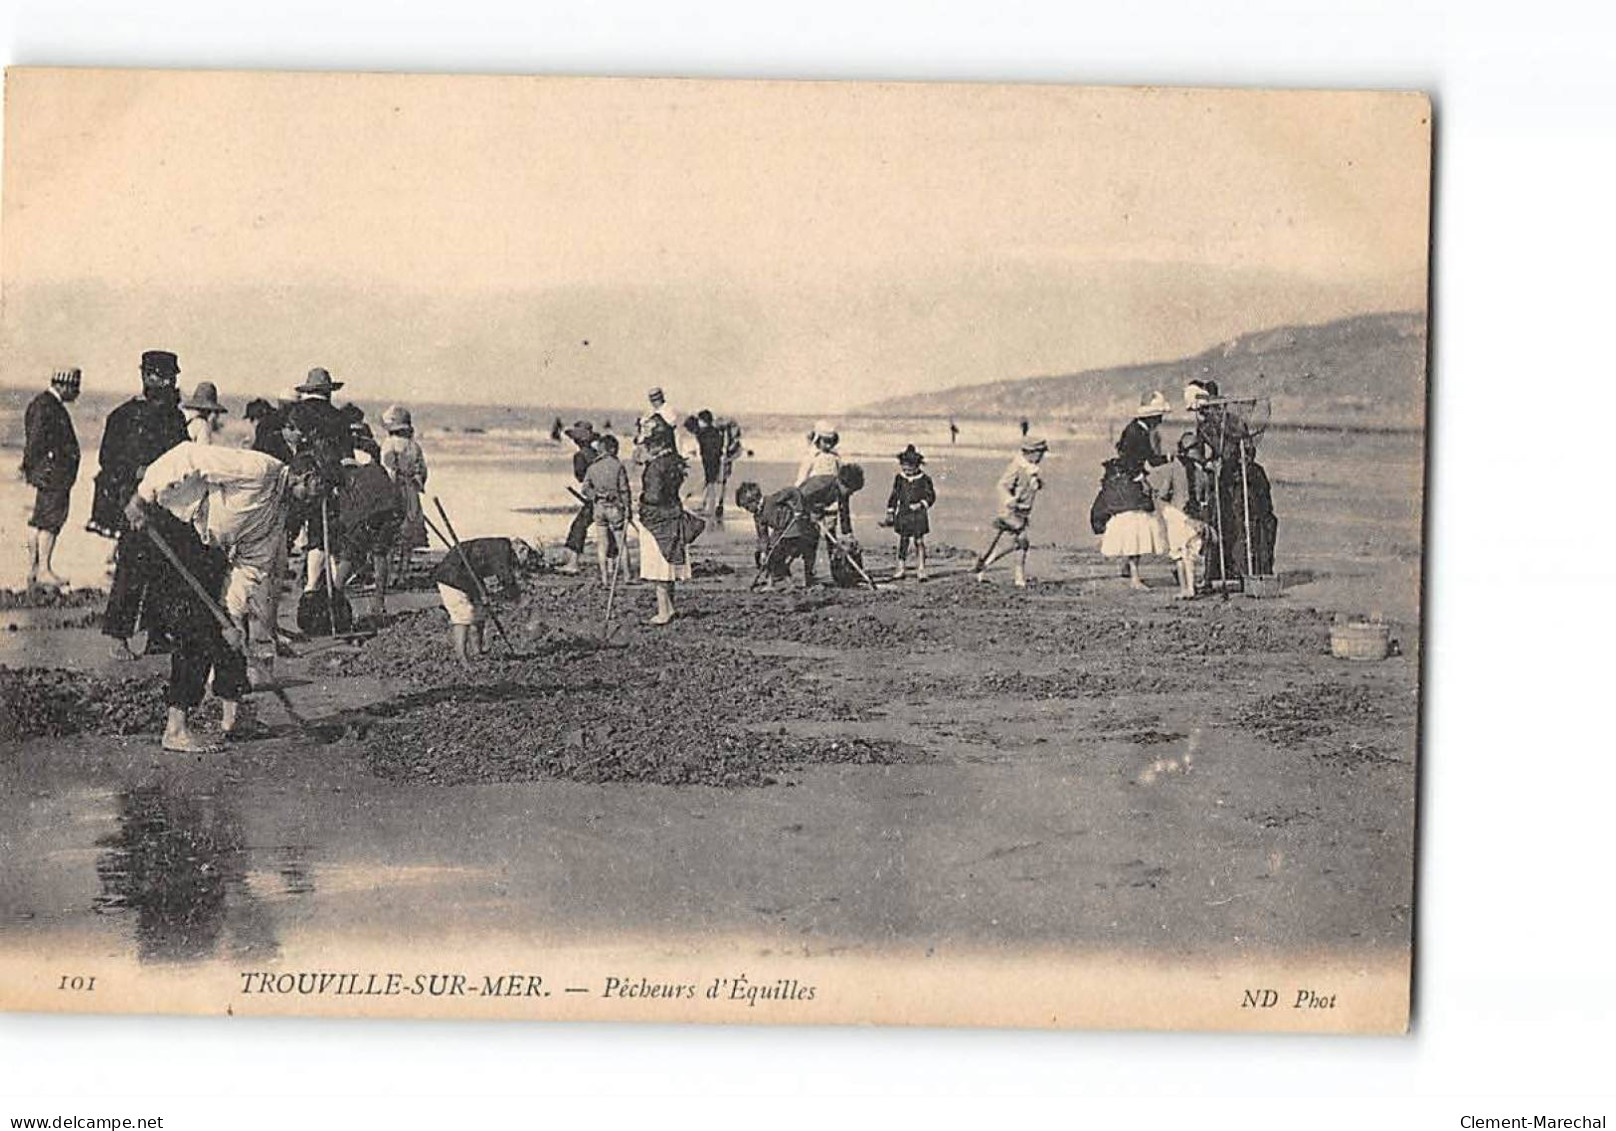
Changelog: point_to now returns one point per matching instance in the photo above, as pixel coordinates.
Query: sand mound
(36, 702)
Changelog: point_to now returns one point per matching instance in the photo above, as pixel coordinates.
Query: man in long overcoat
(136, 433)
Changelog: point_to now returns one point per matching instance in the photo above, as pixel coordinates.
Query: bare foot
(1138, 586)
(187, 743)
(121, 651)
(660, 619)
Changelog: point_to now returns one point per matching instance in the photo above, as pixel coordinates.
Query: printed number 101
(77, 982)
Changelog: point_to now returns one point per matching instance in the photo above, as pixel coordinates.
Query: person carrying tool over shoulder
(493, 564)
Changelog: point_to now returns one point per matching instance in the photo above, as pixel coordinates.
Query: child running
(908, 508)
(1018, 488)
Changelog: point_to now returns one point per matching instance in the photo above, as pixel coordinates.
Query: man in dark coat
(323, 441)
(790, 521)
(572, 551)
(50, 464)
(711, 442)
(136, 433)
(1243, 486)
(267, 420)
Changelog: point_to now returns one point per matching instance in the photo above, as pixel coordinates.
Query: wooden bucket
(1263, 585)
(1360, 640)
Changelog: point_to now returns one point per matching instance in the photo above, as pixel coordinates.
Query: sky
(750, 246)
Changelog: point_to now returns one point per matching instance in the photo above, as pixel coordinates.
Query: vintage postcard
(711, 551)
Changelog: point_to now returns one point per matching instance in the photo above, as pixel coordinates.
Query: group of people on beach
(1207, 507)
(204, 529)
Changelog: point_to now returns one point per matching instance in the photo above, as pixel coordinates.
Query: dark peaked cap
(160, 362)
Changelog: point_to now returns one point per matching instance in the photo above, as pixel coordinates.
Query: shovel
(482, 594)
(225, 622)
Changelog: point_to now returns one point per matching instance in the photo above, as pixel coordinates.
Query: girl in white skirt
(663, 556)
(1134, 532)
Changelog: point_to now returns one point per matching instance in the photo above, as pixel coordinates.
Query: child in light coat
(1018, 489)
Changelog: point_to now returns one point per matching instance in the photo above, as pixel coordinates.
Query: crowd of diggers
(204, 530)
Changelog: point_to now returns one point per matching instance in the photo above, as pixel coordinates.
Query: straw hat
(319, 381)
(824, 430)
(1032, 444)
(205, 399)
(396, 416)
(583, 432)
(1152, 404)
(654, 393)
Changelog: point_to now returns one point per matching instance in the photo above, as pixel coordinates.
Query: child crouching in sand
(1182, 489)
(492, 573)
(908, 508)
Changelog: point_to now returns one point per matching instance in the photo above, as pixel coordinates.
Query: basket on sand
(1360, 640)
(1262, 585)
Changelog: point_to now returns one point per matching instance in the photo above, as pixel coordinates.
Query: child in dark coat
(908, 508)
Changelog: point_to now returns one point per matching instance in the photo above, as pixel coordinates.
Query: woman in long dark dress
(663, 556)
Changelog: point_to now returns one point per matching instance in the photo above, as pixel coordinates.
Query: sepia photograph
(711, 551)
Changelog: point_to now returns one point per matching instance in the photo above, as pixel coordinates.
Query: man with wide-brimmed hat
(321, 440)
(136, 433)
(50, 464)
(204, 413)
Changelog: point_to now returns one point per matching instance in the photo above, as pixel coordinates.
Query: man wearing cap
(324, 441)
(50, 464)
(136, 433)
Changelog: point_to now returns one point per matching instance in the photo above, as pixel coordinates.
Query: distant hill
(1367, 371)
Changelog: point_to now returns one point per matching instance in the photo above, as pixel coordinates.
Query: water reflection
(179, 864)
